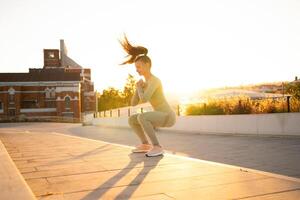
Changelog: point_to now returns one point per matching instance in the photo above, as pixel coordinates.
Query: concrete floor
(270, 154)
(58, 166)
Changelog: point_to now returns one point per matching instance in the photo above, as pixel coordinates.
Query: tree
(293, 88)
(129, 89)
(112, 98)
(109, 99)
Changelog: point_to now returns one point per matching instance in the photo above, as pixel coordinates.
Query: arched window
(11, 95)
(67, 103)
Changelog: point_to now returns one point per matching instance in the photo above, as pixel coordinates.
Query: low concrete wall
(283, 124)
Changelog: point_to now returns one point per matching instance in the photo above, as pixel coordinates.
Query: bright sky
(192, 44)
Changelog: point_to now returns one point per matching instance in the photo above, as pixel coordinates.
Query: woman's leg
(150, 119)
(135, 125)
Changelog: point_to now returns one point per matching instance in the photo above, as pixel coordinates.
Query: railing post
(128, 112)
(288, 103)
(142, 110)
(104, 113)
(178, 110)
(118, 112)
(110, 113)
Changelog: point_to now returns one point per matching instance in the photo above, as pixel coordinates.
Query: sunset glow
(193, 44)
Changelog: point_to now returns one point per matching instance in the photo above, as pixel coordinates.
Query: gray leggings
(145, 122)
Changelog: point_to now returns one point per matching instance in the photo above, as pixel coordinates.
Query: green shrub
(204, 109)
(294, 105)
(241, 105)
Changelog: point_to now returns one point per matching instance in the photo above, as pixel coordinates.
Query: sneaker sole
(154, 155)
(140, 151)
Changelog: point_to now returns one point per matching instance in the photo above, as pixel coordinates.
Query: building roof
(36, 75)
(66, 61)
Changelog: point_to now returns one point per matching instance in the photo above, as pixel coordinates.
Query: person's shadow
(105, 147)
(135, 159)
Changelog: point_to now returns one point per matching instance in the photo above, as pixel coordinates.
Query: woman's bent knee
(171, 120)
(132, 120)
(140, 118)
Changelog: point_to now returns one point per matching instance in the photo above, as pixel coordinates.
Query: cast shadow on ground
(105, 147)
(131, 187)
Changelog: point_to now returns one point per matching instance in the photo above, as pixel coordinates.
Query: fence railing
(265, 105)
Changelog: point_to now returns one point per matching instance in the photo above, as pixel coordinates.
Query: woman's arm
(135, 99)
(146, 94)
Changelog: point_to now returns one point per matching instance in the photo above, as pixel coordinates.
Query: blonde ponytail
(134, 52)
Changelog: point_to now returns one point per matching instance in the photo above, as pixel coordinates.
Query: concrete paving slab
(12, 183)
(245, 151)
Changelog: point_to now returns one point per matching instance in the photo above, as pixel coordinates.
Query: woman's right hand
(140, 83)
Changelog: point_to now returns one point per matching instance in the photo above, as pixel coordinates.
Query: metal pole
(282, 88)
(110, 113)
(178, 110)
(288, 103)
(128, 112)
(118, 112)
(96, 100)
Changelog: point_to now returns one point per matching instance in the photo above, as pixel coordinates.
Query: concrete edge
(14, 185)
(206, 133)
(227, 134)
(288, 178)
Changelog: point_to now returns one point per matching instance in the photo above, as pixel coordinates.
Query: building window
(67, 103)
(11, 95)
(1, 105)
(52, 94)
(29, 104)
(50, 104)
(47, 94)
(11, 98)
(11, 112)
(51, 55)
(87, 103)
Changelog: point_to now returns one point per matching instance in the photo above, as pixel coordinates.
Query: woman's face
(141, 68)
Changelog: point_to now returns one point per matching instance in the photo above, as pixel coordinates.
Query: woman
(149, 91)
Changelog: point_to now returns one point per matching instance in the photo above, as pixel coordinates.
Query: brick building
(61, 90)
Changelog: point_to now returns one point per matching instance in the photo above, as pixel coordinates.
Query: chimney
(63, 53)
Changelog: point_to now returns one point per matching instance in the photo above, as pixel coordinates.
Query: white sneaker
(155, 151)
(142, 148)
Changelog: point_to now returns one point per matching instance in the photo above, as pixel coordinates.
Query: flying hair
(134, 52)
